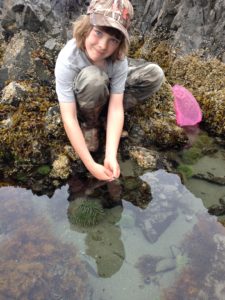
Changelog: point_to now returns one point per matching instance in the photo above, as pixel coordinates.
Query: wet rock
(205, 79)
(145, 158)
(216, 210)
(211, 178)
(134, 190)
(156, 118)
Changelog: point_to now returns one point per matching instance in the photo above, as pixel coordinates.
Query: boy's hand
(101, 172)
(111, 164)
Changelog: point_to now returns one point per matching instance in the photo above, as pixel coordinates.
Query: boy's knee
(91, 76)
(91, 90)
(155, 73)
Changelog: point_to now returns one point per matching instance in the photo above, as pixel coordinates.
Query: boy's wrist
(111, 155)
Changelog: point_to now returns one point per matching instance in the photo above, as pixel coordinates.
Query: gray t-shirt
(72, 60)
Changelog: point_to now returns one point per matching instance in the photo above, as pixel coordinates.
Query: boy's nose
(103, 44)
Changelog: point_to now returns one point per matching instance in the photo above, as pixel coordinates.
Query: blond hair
(81, 29)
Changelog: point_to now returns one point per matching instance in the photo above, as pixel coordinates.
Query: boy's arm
(115, 120)
(75, 135)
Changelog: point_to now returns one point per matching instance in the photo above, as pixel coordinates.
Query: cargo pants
(91, 89)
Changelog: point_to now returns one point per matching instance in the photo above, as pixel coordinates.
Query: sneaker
(91, 138)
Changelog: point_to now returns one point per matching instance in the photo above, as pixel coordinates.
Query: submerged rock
(34, 264)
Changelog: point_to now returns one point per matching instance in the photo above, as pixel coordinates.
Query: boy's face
(100, 45)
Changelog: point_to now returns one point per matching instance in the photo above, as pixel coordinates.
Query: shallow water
(168, 247)
(121, 256)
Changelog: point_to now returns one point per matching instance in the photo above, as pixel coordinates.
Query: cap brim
(102, 20)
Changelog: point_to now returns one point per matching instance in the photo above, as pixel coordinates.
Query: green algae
(44, 170)
(190, 156)
(185, 170)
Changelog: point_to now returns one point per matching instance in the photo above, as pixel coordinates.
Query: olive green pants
(92, 92)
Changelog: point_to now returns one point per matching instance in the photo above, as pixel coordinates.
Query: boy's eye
(98, 33)
(115, 41)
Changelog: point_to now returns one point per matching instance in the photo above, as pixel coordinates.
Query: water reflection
(130, 188)
(103, 241)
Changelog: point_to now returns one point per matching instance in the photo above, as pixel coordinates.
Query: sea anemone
(85, 212)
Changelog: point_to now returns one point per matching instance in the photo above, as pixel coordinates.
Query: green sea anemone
(85, 212)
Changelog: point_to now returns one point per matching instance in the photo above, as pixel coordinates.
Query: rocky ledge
(33, 143)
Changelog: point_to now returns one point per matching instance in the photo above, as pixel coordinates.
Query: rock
(211, 178)
(165, 265)
(28, 15)
(13, 93)
(61, 168)
(17, 57)
(145, 158)
(50, 44)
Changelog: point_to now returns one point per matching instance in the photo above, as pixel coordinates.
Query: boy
(92, 74)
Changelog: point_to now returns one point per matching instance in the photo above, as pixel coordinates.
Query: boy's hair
(82, 27)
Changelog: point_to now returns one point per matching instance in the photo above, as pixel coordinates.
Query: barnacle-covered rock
(61, 167)
(205, 79)
(145, 158)
(157, 119)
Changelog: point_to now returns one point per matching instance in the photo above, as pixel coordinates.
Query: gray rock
(12, 94)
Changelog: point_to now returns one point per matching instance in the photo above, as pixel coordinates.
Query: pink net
(188, 112)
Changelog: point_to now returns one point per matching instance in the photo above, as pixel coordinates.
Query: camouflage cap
(112, 13)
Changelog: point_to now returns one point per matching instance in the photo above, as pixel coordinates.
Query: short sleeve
(64, 78)
(119, 76)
